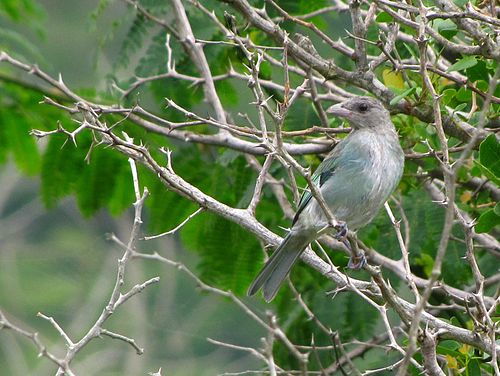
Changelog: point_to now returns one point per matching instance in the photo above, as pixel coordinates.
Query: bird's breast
(368, 171)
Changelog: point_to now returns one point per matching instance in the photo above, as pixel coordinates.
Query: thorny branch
(117, 298)
(322, 80)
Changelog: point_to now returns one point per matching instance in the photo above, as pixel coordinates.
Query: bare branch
(54, 323)
(195, 50)
(177, 228)
(429, 354)
(404, 252)
(120, 337)
(33, 337)
(359, 30)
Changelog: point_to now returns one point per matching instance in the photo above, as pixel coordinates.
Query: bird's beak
(338, 110)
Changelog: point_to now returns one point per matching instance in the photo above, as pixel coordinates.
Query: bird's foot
(341, 232)
(357, 259)
(356, 262)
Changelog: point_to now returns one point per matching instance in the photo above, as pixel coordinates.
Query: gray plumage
(355, 179)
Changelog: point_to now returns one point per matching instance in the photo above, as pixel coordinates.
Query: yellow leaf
(465, 197)
(393, 79)
(445, 82)
(452, 362)
(464, 349)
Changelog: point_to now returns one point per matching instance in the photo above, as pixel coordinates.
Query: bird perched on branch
(355, 180)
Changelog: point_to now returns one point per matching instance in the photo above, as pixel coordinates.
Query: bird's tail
(278, 266)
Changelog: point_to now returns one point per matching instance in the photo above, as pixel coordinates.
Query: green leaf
(301, 115)
(228, 156)
(134, 39)
(401, 96)
(228, 253)
(17, 141)
(460, 107)
(448, 95)
(384, 17)
(4, 145)
(99, 11)
(455, 271)
(449, 345)
(464, 95)
(488, 173)
(489, 154)
(426, 262)
(166, 209)
(123, 191)
(464, 63)
(15, 9)
(227, 93)
(410, 51)
(153, 60)
(478, 72)
(20, 46)
(473, 368)
(97, 179)
(446, 28)
(359, 318)
(62, 164)
(487, 221)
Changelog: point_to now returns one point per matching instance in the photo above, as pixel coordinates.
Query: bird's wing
(324, 171)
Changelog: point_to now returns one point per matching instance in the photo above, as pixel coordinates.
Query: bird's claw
(356, 262)
(357, 259)
(341, 231)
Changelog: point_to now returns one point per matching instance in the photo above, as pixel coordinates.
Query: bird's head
(362, 112)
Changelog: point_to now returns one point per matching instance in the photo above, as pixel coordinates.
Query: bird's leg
(357, 259)
(341, 231)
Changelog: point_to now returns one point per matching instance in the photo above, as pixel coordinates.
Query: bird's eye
(363, 107)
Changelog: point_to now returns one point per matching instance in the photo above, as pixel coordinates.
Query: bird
(355, 179)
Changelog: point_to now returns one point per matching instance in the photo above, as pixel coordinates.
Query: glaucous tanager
(355, 179)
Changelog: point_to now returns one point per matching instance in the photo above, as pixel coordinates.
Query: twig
(54, 323)
(33, 337)
(195, 50)
(176, 228)
(259, 184)
(404, 252)
(123, 338)
(316, 102)
(151, 17)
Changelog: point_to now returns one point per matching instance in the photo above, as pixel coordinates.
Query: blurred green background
(59, 263)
